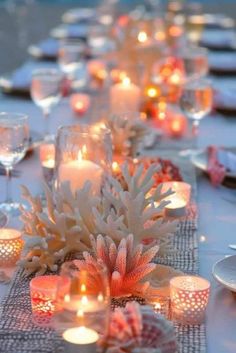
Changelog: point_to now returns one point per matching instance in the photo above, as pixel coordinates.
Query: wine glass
(46, 91)
(82, 301)
(196, 101)
(70, 54)
(195, 61)
(14, 142)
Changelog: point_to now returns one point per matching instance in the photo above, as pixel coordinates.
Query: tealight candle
(82, 339)
(176, 125)
(43, 298)
(79, 171)
(47, 158)
(189, 298)
(97, 71)
(161, 305)
(179, 200)
(80, 103)
(125, 97)
(11, 246)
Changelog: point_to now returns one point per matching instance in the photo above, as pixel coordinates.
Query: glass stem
(195, 128)
(46, 114)
(8, 185)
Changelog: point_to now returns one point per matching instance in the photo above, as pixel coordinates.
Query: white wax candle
(80, 335)
(80, 171)
(125, 97)
(50, 163)
(177, 207)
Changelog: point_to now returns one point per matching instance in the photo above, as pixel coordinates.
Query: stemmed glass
(46, 91)
(71, 53)
(196, 101)
(83, 301)
(14, 141)
(195, 61)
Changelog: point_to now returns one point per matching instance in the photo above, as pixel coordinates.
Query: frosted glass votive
(179, 200)
(43, 290)
(189, 297)
(11, 245)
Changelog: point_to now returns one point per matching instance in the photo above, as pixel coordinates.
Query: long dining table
(216, 207)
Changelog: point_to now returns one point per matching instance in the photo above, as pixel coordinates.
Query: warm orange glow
(162, 116)
(143, 116)
(84, 300)
(160, 36)
(115, 167)
(80, 313)
(176, 126)
(157, 306)
(79, 105)
(175, 78)
(142, 37)
(152, 92)
(126, 81)
(82, 153)
(162, 106)
(83, 288)
(175, 31)
(101, 75)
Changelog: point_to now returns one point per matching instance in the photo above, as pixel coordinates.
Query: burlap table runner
(18, 334)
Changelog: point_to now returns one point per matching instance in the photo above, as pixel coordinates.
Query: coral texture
(126, 263)
(65, 223)
(137, 329)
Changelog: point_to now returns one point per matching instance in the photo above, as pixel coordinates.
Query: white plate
(224, 272)
(199, 159)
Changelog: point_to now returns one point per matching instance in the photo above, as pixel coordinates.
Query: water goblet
(195, 61)
(14, 142)
(71, 53)
(196, 101)
(46, 91)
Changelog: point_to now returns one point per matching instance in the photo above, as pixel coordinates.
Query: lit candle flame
(126, 81)
(83, 288)
(142, 37)
(152, 92)
(82, 153)
(100, 297)
(80, 313)
(115, 167)
(157, 306)
(84, 300)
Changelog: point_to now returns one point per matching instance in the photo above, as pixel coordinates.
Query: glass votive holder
(160, 304)
(82, 313)
(80, 103)
(179, 200)
(43, 290)
(11, 245)
(47, 159)
(189, 297)
(82, 155)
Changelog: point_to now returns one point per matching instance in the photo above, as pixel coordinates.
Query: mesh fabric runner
(18, 334)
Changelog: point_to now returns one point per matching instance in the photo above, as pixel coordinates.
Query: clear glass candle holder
(160, 304)
(43, 290)
(179, 200)
(11, 245)
(47, 159)
(189, 298)
(83, 306)
(82, 155)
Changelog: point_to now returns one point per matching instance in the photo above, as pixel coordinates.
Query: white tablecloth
(217, 216)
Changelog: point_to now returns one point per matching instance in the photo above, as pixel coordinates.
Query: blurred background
(25, 22)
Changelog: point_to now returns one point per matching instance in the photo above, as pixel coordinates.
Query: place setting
(102, 203)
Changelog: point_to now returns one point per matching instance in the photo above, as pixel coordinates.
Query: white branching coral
(127, 134)
(135, 210)
(65, 223)
(126, 263)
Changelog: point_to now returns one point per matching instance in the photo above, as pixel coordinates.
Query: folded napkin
(222, 62)
(79, 31)
(219, 39)
(224, 99)
(220, 161)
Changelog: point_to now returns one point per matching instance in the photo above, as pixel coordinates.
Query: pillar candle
(79, 171)
(124, 97)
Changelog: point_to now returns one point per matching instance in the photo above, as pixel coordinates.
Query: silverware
(232, 246)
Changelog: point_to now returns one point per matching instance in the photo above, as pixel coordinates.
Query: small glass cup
(83, 300)
(11, 245)
(189, 298)
(47, 159)
(82, 155)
